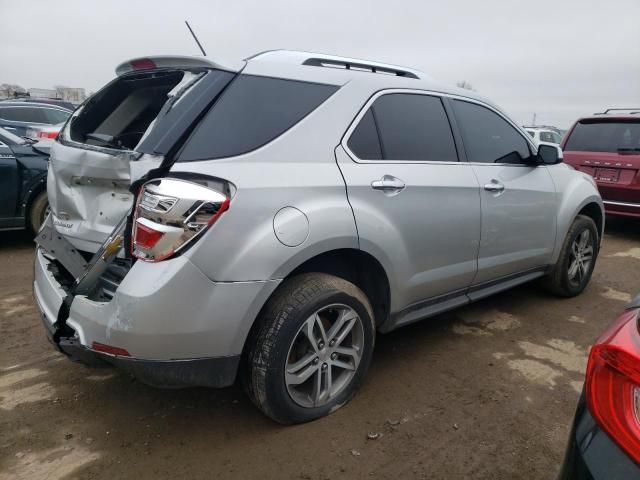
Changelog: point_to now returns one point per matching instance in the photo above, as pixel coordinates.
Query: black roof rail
(372, 67)
(633, 110)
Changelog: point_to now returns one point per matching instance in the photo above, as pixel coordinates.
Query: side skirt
(442, 303)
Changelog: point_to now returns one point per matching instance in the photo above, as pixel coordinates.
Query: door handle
(494, 186)
(389, 185)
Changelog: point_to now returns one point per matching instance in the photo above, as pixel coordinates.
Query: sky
(558, 59)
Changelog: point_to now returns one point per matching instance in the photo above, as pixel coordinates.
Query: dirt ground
(487, 391)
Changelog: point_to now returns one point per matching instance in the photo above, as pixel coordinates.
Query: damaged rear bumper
(179, 327)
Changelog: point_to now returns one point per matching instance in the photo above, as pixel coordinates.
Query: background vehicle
(605, 438)
(607, 147)
(23, 173)
(544, 134)
(49, 101)
(287, 208)
(17, 117)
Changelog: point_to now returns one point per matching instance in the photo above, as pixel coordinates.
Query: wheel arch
(354, 265)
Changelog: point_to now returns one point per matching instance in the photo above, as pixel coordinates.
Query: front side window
(487, 137)
(404, 127)
(250, 113)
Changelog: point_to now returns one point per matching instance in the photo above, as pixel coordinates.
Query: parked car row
(265, 220)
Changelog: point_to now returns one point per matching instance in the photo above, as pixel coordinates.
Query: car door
(416, 207)
(8, 185)
(518, 197)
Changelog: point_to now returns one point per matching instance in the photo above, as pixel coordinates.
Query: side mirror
(549, 153)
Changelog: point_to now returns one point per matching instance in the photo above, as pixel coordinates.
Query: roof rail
(633, 110)
(334, 61)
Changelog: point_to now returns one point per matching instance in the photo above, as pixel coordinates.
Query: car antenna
(196, 39)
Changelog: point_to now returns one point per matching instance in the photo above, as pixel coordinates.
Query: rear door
(121, 133)
(518, 199)
(609, 150)
(415, 204)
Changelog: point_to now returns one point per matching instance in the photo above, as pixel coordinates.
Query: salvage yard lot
(487, 391)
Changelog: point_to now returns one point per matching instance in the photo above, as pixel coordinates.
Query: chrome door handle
(494, 186)
(388, 184)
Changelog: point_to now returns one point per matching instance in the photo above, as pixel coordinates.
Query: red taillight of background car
(172, 213)
(613, 383)
(48, 134)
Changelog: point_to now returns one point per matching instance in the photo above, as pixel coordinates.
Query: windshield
(9, 137)
(616, 136)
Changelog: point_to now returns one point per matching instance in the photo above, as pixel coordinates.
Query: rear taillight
(45, 134)
(170, 214)
(613, 383)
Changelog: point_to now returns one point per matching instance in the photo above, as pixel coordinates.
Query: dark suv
(607, 147)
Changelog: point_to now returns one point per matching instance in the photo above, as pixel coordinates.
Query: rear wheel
(312, 348)
(572, 272)
(38, 211)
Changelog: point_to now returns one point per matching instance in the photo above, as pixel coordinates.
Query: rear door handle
(494, 186)
(389, 185)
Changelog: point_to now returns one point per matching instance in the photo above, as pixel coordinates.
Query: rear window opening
(606, 135)
(119, 115)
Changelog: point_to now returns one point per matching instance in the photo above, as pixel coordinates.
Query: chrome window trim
(431, 93)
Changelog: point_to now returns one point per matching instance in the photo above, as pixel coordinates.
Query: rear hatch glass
(609, 150)
(605, 136)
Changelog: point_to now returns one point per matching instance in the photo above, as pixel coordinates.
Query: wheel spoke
(584, 239)
(342, 327)
(307, 331)
(300, 364)
(342, 364)
(302, 376)
(573, 268)
(323, 332)
(349, 352)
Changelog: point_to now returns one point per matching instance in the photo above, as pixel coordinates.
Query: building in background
(73, 95)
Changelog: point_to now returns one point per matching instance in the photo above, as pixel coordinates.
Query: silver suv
(265, 220)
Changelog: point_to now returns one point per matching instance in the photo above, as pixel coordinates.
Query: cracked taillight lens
(170, 214)
(613, 383)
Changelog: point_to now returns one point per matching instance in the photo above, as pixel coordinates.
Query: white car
(544, 135)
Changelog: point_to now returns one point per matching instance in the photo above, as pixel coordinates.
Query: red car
(607, 147)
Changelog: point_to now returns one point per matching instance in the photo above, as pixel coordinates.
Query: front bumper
(592, 455)
(179, 327)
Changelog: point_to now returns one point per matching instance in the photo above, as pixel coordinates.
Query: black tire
(558, 281)
(37, 211)
(281, 320)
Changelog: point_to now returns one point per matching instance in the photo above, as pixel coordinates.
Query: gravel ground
(487, 391)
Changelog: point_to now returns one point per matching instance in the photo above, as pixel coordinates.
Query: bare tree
(466, 85)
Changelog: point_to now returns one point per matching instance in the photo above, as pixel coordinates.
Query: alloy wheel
(581, 256)
(324, 355)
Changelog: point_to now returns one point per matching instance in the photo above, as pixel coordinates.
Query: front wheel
(571, 274)
(311, 350)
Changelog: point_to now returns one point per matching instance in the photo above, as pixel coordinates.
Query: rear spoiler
(151, 63)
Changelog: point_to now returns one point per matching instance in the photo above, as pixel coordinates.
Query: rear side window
(404, 127)
(55, 116)
(617, 136)
(487, 137)
(251, 112)
(23, 114)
